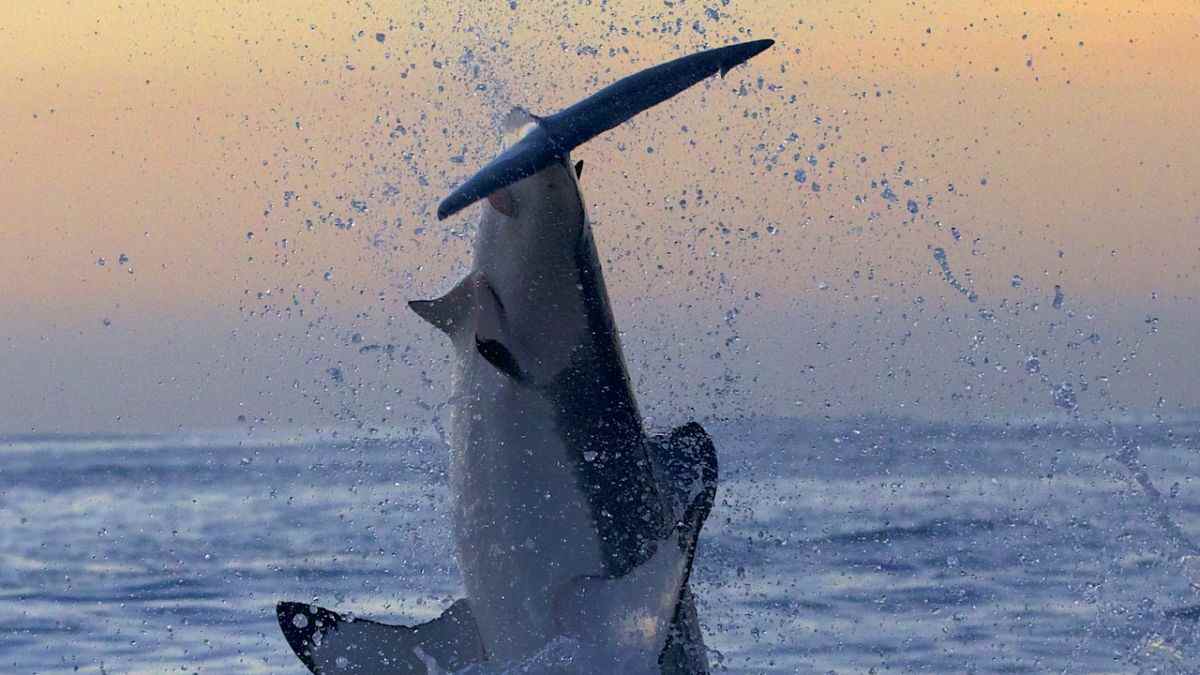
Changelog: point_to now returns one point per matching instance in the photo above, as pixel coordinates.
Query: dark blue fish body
(566, 130)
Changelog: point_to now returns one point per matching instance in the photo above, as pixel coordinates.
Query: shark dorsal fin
(452, 311)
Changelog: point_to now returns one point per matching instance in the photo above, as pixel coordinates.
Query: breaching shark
(570, 522)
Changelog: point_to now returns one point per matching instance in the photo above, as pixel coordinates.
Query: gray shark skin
(552, 480)
(569, 520)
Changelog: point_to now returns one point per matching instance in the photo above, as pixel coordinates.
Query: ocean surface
(845, 546)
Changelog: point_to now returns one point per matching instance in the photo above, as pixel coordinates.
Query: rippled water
(833, 546)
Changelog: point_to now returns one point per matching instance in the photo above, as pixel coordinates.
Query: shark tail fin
(329, 643)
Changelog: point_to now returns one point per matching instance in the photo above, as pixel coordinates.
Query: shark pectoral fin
(329, 643)
(452, 311)
(634, 611)
(648, 612)
(685, 463)
(685, 653)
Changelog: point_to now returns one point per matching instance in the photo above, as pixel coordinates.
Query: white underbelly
(522, 526)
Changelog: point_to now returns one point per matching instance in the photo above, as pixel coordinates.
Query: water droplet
(300, 621)
(1033, 365)
(1064, 396)
(122, 259)
(1016, 281)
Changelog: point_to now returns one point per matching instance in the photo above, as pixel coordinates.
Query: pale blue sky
(270, 174)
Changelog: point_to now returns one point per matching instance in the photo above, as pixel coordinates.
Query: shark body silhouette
(570, 521)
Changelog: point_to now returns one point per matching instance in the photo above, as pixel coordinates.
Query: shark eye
(502, 200)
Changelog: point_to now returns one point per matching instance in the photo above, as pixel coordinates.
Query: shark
(570, 521)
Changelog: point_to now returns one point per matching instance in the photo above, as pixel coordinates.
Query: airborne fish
(569, 520)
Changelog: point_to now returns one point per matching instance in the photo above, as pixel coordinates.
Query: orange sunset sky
(213, 212)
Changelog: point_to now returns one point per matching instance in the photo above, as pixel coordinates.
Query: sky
(214, 212)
